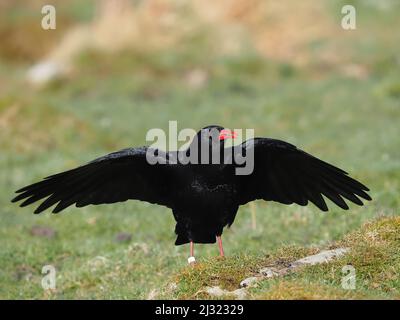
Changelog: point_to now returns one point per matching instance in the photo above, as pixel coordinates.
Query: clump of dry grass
(380, 233)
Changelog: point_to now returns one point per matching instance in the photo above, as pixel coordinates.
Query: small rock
(152, 294)
(123, 237)
(46, 232)
(270, 272)
(249, 282)
(44, 71)
(240, 293)
(215, 291)
(322, 257)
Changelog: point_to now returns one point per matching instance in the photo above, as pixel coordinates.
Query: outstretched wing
(286, 174)
(116, 177)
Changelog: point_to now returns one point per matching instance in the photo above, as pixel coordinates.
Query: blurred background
(111, 70)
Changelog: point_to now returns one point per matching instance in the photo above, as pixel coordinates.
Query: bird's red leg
(221, 249)
(191, 248)
(191, 259)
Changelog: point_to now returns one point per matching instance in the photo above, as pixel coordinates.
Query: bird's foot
(191, 261)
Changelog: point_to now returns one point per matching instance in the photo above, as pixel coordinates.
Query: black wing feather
(286, 174)
(116, 177)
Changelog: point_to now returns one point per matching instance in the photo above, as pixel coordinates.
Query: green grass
(110, 103)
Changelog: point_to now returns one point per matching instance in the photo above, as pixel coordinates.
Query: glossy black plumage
(204, 198)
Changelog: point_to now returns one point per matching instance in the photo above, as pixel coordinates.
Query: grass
(110, 102)
(374, 255)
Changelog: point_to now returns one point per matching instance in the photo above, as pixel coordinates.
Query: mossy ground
(374, 254)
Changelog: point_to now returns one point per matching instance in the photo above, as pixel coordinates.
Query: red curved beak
(227, 134)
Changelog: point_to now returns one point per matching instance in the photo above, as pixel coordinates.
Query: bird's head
(208, 144)
(212, 138)
(215, 135)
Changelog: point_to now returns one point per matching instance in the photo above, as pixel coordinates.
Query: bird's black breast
(209, 186)
(206, 195)
(210, 195)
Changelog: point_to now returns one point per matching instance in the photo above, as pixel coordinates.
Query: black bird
(204, 196)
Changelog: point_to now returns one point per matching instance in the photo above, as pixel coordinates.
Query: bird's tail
(198, 235)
